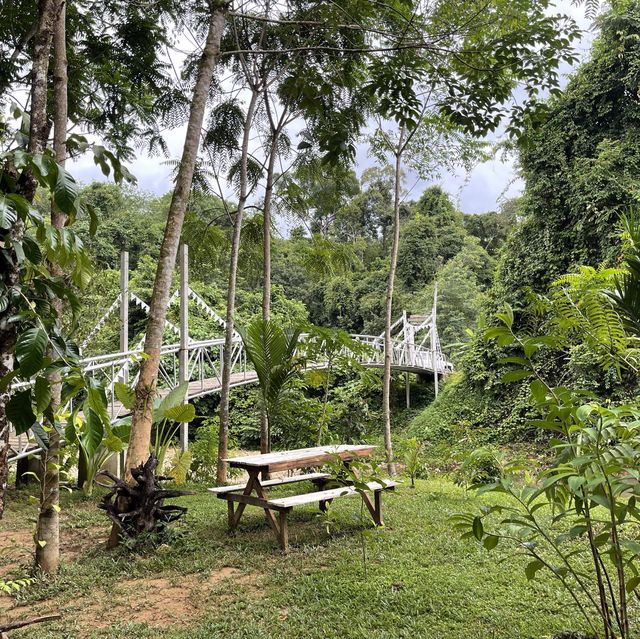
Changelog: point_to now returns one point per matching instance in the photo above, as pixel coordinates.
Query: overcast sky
(481, 190)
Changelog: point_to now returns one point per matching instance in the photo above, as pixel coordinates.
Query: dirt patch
(158, 602)
(14, 544)
(76, 542)
(17, 546)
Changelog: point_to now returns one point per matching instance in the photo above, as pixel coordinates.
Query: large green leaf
(65, 192)
(175, 397)
(93, 432)
(41, 435)
(183, 413)
(125, 394)
(31, 250)
(30, 350)
(41, 394)
(8, 213)
(46, 168)
(97, 402)
(20, 412)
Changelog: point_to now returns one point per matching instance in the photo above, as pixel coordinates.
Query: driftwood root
(139, 507)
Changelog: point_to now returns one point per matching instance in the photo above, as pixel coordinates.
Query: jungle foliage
(580, 166)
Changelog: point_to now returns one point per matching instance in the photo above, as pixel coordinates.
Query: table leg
(324, 505)
(235, 517)
(271, 518)
(374, 510)
(283, 534)
(231, 516)
(378, 507)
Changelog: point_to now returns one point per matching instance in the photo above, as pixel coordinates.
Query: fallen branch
(14, 625)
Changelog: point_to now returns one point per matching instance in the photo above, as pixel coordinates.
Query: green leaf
(490, 542)
(97, 402)
(514, 360)
(514, 376)
(532, 568)
(70, 433)
(46, 169)
(506, 316)
(41, 434)
(478, 529)
(538, 391)
(125, 394)
(93, 219)
(65, 192)
(183, 413)
(113, 443)
(30, 350)
(632, 584)
(93, 432)
(31, 250)
(8, 213)
(175, 397)
(41, 394)
(20, 412)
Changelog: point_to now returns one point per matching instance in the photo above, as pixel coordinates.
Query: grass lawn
(421, 582)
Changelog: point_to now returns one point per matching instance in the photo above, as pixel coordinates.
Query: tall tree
(146, 387)
(244, 188)
(48, 528)
(484, 50)
(38, 134)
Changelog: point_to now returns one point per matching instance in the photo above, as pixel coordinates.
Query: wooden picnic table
(253, 493)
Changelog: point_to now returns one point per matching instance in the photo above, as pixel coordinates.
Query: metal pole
(183, 361)
(124, 337)
(124, 306)
(434, 363)
(407, 389)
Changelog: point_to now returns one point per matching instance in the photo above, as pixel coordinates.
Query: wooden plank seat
(316, 477)
(328, 495)
(284, 505)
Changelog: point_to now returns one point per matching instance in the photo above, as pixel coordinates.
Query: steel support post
(183, 360)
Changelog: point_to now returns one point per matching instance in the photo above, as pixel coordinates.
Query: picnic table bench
(255, 465)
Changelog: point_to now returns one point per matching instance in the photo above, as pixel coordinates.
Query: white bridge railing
(205, 368)
(202, 361)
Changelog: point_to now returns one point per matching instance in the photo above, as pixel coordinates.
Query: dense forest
(580, 174)
(329, 270)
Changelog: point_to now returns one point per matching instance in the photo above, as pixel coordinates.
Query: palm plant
(272, 350)
(626, 297)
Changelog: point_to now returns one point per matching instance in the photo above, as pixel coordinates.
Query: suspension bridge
(415, 349)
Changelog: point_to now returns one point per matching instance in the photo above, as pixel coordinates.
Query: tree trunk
(265, 434)
(38, 134)
(48, 526)
(140, 438)
(388, 318)
(227, 353)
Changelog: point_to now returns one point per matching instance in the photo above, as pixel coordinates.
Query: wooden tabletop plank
(302, 457)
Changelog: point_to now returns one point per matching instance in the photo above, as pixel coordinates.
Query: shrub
(481, 466)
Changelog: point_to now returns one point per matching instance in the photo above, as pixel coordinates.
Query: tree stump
(139, 507)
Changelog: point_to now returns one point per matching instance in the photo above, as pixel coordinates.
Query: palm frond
(272, 350)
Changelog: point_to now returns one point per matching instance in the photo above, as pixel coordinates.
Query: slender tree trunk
(388, 318)
(38, 133)
(140, 438)
(227, 354)
(48, 526)
(265, 433)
